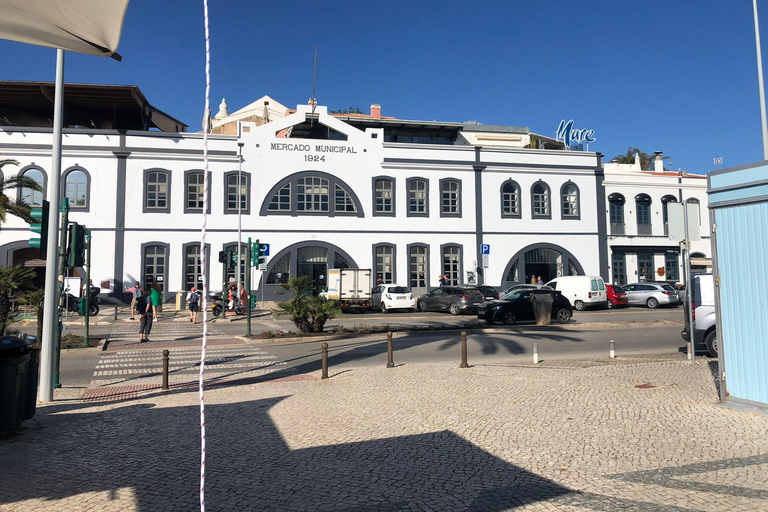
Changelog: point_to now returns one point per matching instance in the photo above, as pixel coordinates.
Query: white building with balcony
(636, 215)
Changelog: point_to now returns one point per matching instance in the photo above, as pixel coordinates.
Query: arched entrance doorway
(546, 260)
(311, 259)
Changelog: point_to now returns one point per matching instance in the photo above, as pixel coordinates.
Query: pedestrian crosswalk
(164, 332)
(223, 362)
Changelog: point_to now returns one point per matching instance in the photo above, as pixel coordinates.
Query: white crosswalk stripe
(235, 361)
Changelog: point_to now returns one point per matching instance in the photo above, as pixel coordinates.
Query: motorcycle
(220, 303)
(72, 303)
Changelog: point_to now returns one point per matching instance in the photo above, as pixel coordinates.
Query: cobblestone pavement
(571, 437)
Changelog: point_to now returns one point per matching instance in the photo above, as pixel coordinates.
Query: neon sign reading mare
(569, 136)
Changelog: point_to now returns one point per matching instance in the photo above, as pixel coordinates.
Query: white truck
(351, 287)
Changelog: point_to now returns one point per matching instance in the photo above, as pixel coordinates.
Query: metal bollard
(324, 352)
(612, 353)
(166, 358)
(115, 312)
(390, 355)
(463, 350)
(535, 353)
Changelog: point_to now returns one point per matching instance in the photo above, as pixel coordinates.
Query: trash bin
(181, 301)
(542, 308)
(18, 380)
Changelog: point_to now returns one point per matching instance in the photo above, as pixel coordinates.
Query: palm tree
(308, 313)
(35, 299)
(12, 280)
(8, 205)
(646, 160)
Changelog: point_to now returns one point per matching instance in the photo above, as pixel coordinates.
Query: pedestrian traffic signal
(76, 248)
(257, 254)
(262, 249)
(222, 257)
(232, 261)
(81, 307)
(40, 228)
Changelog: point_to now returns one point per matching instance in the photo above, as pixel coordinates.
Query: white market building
(409, 199)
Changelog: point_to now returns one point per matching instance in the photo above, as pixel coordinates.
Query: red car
(616, 296)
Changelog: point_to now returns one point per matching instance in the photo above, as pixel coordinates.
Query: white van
(582, 291)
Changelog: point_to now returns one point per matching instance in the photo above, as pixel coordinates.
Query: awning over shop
(83, 26)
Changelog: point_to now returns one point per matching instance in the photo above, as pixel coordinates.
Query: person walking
(540, 282)
(135, 296)
(157, 300)
(194, 305)
(144, 307)
(441, 279)
(533, 279)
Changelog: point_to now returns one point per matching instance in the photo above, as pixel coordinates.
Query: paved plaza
(575, 436)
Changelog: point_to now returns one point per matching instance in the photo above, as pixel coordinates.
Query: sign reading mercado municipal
(570, 136)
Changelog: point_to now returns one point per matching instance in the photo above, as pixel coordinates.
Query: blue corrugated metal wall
(742, 254)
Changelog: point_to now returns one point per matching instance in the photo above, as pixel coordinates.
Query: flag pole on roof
(92, 27)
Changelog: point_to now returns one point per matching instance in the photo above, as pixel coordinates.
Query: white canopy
(82, 26)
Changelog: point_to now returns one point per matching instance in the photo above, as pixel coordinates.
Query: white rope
(203, 259)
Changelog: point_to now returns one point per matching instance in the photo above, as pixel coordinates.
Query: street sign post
(685, 226)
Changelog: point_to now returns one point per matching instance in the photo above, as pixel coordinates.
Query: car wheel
(579, 305)
(454, 308)
(609, 304)
(652, 303)
(383, 307)
(563, 316)
(710, 340)
(422, 307)
(509, 318)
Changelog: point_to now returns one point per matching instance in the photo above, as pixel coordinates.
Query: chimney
(266, 111)
(376, 111)
(658, 163)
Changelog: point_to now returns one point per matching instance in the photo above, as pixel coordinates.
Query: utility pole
(87, 287)
(51, 301)
(248, 263)
(760, 83)
(239, 213)
(62, 265)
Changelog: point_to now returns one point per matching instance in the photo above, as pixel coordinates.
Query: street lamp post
(239, 216)
(760, 84)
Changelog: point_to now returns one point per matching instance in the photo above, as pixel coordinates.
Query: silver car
(652, 295)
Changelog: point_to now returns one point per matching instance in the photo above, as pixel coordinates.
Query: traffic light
(222, 257)
(257, 253)
(81, 307)
(76, 249)
(40, 228)
(261, 250)
(232, 259)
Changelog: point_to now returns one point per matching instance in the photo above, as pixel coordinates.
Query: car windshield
(487, 289)
(513, 295)
(399, 289)
(668, 288)
(617, 289)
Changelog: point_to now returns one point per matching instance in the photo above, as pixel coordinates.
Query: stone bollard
(688, 349)
(612, 353)
(166, 358)
(535, 353)
(324, 352)
(463, 350)
(390, 355)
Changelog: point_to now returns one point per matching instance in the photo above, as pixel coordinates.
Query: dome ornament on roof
(223, 109)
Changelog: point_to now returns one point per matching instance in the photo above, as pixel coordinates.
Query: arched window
(450, 202)
(616, 213)
(193, 266)
(418, 197)
(665, 211)
(157, 191)
(452, 264)
(77, 182)
(384, 263)
(234, 192)
(569, 194)
(643, 206)
(384, 196)
(311, 193)
(418, 268)
(155, 265)
(194, 188)
(540, 205)
(33, 197)
(281, 270)
(510, 200)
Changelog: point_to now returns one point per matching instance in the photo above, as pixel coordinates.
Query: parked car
(392, 296)
(456, 299)
(704, 316)
(523, 286)
(518, 306)
(489, 292)
(617, 297)
(581, 291)
(652, 295)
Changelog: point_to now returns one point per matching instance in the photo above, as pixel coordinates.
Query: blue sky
(675, 76)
